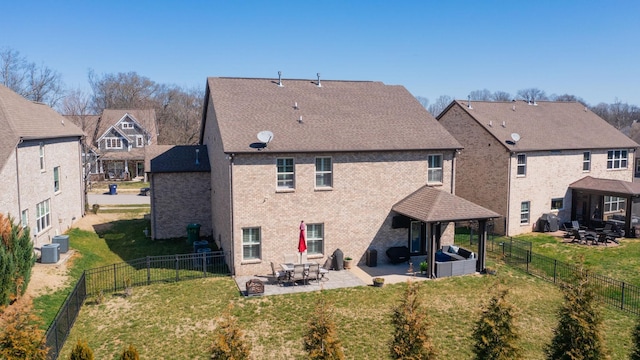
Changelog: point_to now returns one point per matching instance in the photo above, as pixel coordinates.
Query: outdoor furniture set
(452, 260)
(291, 273)
(580, 234)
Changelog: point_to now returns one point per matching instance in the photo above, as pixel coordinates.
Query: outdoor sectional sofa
(454, 261)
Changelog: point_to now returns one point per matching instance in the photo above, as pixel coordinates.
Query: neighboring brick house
(520, 158)
(116, 142)
(345, 157)
(180, 181)
(40, 167)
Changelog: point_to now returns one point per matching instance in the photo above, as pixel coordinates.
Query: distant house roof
(336, 116)
(179, 158)
(608, 186)
(546, 125)
(110, 117)
(430, 204)
(26, 120)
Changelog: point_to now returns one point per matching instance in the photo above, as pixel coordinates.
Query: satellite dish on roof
(265, 136)
(515, 137)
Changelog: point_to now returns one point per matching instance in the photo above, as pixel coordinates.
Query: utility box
(372, 257)
(63, 240)
(50, 253)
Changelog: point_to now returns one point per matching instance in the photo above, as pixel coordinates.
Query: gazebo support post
(482, 245)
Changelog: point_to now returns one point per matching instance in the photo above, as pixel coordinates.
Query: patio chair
(314, 272)
(299, 273)
(278, 276)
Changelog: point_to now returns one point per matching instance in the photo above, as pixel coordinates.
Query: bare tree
(480, 95)
(532, 94)
(122, 91)
(501, 96)
(11, 65)
(440, 104)
(423, 101)
(180, 115)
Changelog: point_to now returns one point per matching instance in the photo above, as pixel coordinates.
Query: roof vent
(469, 102)
(300, 120)
(504, 124)
(513, 108)
(318, 84)
(490, 123)
(280, 79)
(295, 106)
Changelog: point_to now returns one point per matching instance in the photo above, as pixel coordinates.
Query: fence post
(527, 260)
(148, 270)
(115, 279)
(555, 268)
(622, 299)
(177, 269)
(204, 264)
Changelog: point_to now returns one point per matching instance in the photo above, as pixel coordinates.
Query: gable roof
(429, 204)
(337, 116)
(21, 119)
(110, 117)
(180, 158)
(608, 186)
(548, 125)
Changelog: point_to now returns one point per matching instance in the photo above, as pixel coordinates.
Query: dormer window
(127, 125)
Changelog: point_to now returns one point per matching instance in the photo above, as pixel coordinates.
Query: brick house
(524, 159)
(40, 167)
(345, 157)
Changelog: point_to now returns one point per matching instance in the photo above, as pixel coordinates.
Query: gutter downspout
(18, 182)
(506, 220)
(453, 172)
(233, 253)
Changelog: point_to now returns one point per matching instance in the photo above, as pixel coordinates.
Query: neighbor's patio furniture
(278, 276)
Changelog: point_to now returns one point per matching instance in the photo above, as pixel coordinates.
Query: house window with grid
(557, 204)
(586, 161)
(43, 216)
(522, 165)
(24, 219)
(56, 179)
(139, 141)
(41, 156)
(435, 169)
(127, 125)
(617, 159)
(315, 239)
(524, 212)
(251, 243)
(613, 204)
(324, 173)
(286, 174)
(113, 143)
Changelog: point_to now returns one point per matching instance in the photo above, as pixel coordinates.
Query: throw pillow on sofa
(453, 249)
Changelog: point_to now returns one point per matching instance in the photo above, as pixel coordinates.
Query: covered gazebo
(596, 201)
(435, 207)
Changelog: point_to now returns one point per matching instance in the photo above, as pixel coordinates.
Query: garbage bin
(63, 240)
(193, 233)
(372, 257)
(338, 260)
(200, 244)
(113, 189)
(50, 253)
(204, 256)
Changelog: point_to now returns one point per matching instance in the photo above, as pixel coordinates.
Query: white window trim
(617, 160)
(127, 125)
(521, 166)
(139, 141)
(42, 157)
(259, 243)
(107, 142)
(557, 199)
(435, 169)
(43, 216)
(56, 172)
(312, 239)
(24, 218)
(528, 213)
(323, 172)
(586, 161)
(293, 173)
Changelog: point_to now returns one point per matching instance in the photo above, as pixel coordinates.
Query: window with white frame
(139, 141)
(113, 143)
(24, 218)
(41, 156)
(324, 172)
(557, 203)
(617, 159)
(315, 239)
(43, 216)
(586, 161)
(522, 165)
(251, 243)
(56, 179)
(524, 212)
(613, 204)
(286, 174)
(127, 125)
(435, 169)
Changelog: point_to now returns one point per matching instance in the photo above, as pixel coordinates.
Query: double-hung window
(286, 174)
(41, 156)
(524, 212)
(43, 216)
(522, 165)
(324, 173)
(435, 169)
(586, 161)
(251, 243)
(617, 159)
(24, 219)
(113, 143)
(56, 179)
(315, 239)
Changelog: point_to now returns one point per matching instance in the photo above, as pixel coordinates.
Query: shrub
(130, 353)
(16, 260)
(494, 334)
(20, 333)
(410, 338)
(635, 335)
(81, 351)
(578, 334)
(229, 342)
(321, 341)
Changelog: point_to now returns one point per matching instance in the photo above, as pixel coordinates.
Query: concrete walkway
(119, 199)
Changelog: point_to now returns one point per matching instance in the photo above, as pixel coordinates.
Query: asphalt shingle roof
(180, 158)
(609, 186)
(338, 116)
(24, 119)
(547, 125)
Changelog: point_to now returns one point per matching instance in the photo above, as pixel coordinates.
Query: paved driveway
(119, 199)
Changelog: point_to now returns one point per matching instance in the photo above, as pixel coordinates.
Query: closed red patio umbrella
(302, 241)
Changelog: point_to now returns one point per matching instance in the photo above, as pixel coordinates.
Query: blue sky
(586, 48)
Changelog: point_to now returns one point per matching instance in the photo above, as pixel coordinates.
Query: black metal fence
(117, 277)
(613, 292)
